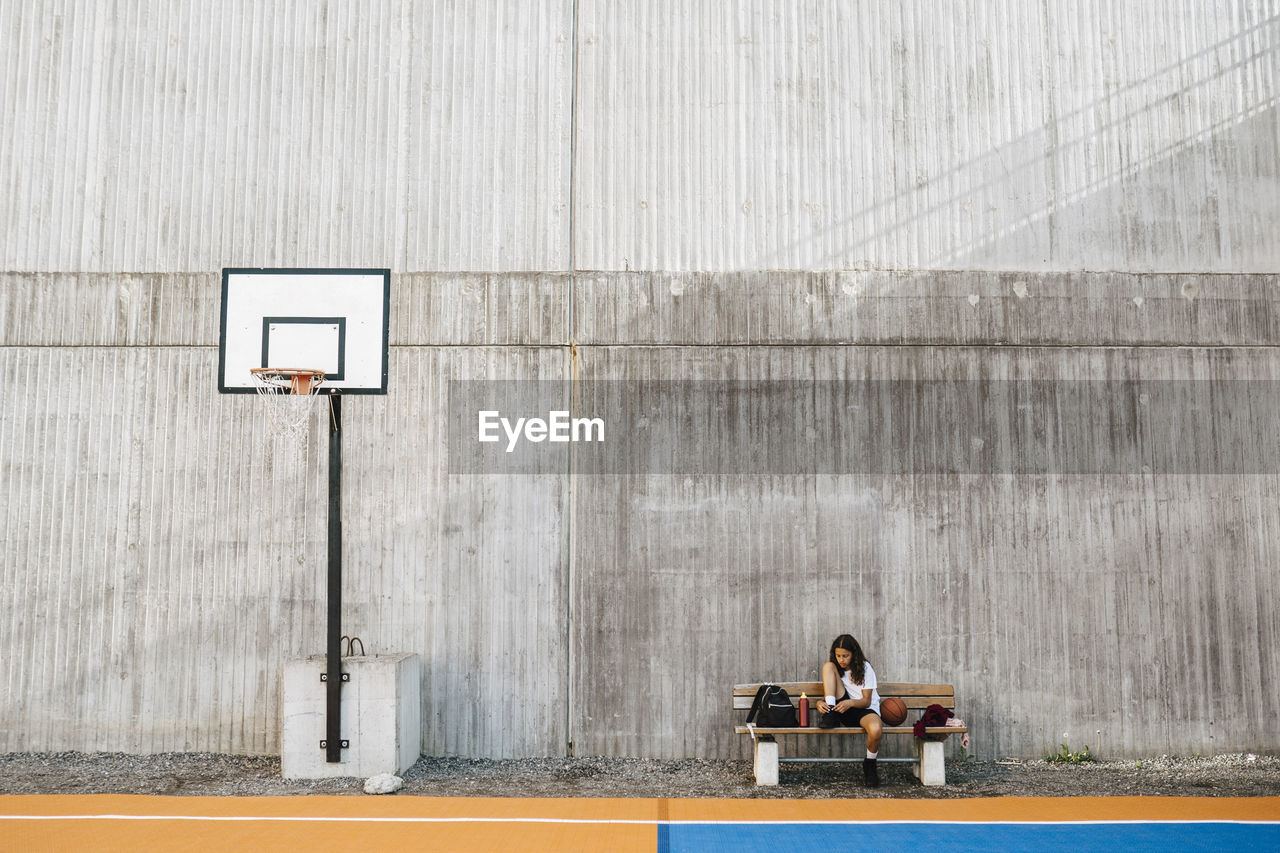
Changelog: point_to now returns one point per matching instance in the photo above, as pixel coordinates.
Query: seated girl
(851, 699)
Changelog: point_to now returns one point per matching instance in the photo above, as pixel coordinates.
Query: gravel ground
(198, 774)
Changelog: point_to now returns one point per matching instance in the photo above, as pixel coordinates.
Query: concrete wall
(942, 135)
(681, 134)
(1055, 602)
(680, 190)
(161, 137)
(164, 558)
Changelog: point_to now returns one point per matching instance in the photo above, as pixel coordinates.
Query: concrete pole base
(381, 717)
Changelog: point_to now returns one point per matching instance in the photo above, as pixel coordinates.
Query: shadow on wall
(1104, 185)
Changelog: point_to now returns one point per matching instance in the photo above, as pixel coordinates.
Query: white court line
(642, 821)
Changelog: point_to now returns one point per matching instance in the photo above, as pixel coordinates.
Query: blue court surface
(954, 837)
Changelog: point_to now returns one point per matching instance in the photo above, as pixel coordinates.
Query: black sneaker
(828, 721)
(869, 773)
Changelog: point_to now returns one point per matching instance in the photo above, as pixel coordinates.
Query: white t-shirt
(855, 690)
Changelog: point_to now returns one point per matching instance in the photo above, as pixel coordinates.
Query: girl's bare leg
(830, 680)
(874, 727)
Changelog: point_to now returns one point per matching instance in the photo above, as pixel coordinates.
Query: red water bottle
(804, 711)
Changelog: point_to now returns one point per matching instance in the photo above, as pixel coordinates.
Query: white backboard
(334, 320)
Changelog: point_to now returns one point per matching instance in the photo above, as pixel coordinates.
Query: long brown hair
(857, 666)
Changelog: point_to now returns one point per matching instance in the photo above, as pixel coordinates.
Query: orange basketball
(893, 711)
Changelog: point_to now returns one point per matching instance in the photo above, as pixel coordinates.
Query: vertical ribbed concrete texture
(680, 190)
(952, 135)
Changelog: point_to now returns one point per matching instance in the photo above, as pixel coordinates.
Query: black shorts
(836, 719)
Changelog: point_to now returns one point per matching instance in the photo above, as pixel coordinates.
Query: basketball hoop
(287, 417)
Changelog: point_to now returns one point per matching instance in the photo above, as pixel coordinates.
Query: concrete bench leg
(931, 768)
(766, 766)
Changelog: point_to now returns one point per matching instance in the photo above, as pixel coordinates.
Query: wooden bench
(929, 766)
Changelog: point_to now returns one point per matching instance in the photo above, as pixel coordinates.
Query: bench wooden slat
(848, 730)
(885, 688)
(915, 696)
(913, 703)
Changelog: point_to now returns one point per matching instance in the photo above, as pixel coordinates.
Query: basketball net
(289, 409)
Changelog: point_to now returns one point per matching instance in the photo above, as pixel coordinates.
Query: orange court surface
(323, 823)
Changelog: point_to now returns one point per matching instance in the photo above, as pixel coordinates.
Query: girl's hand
(844, 706)
(823, 707)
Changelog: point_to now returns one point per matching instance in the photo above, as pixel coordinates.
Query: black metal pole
(333, 668)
